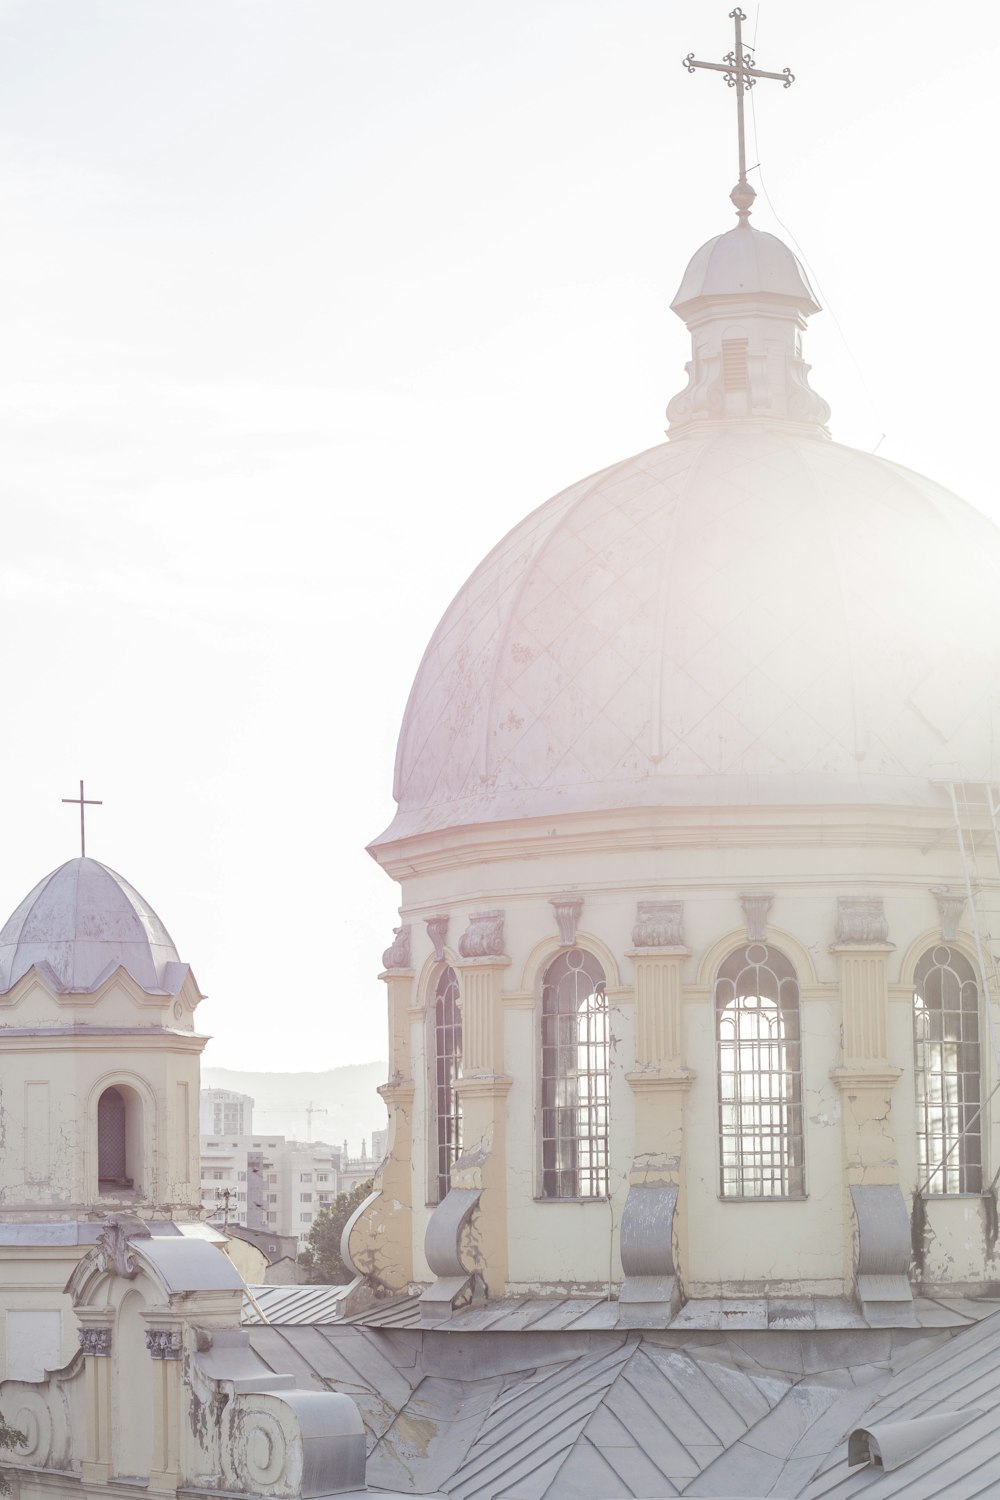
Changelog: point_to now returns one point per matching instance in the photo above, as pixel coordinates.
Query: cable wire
(873, 405)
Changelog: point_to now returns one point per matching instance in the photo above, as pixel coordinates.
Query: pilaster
(165, 1343)
(399, 991)
(866, 1079)
(96, 1341)
(482, 1087)
(381, 1239)
(655, 1249)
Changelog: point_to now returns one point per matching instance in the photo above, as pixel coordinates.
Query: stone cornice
(398, 1093)
(98, 1039)
(633, 829)
(669, 1080)
(489, 1086)
(865, 1078)
(517, 1000)
(677, 951)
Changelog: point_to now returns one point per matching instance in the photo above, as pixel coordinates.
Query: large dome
(83, 921)
(744, 616)
(748, 614)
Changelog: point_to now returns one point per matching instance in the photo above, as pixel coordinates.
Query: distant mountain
(345, 1104)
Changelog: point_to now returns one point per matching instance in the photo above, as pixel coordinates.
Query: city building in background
(224, 1112)
(262, 1181)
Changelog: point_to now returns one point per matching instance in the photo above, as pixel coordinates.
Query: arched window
(947, 1073)
(112, 1142)
(447, 1062)
(574, 1078)
(760, 1068)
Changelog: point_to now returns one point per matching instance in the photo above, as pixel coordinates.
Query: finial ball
(743, 197)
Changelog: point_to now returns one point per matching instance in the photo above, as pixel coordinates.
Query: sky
(305, 303)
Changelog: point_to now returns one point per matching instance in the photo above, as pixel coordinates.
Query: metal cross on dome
(740, 74)
(83, 802)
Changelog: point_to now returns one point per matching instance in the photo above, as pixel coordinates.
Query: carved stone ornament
(756, 905)
(437, 931)
(861, 919)
(567, 910)
(397, 955)
(95, 1341)
(164, 1343)
(658, 924)
(950, 905)
(483, 938)
(114, 1253)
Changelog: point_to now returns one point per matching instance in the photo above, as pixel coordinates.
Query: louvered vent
(734, 364)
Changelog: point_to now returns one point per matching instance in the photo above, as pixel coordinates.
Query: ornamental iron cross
(83, 802)
(740, 74)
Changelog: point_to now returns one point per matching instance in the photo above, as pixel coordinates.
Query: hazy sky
(306, 302)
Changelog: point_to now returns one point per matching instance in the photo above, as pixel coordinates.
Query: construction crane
(310, 1110)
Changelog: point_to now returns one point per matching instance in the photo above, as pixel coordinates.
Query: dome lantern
(745, 299)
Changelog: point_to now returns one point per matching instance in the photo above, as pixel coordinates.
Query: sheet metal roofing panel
(962, 1466)
(295, 1304)
(565, 1414)
(83, 920)
(511, 1314)
(401, 1312)
(359, 1363)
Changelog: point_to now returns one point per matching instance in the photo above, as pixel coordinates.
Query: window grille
(447, 1064)
(760, 1075)
(111, 1155)
(947, 1073)
(575, 1078)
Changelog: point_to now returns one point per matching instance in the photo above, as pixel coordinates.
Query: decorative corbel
(567, 910)
(756, 905)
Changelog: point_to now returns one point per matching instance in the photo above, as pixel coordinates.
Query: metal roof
(512, 1314)
(581, 1412)
(961, 1465)
(83, 921)
(294, 1304)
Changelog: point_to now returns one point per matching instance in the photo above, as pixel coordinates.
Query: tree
(9, 1438)
(321, 1260)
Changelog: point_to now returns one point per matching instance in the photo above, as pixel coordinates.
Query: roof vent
(889, 1445)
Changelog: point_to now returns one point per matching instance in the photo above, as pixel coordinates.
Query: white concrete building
(225, 1112)
(269, 1182)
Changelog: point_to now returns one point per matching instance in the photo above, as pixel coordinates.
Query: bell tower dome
(100, 1068)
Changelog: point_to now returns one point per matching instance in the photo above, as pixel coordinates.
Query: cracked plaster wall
(50, 1080)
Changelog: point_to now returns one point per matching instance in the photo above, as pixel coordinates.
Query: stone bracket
(884, 1247)
(454, 1285)
(651, 1287)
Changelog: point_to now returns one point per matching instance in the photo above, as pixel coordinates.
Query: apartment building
(268, 1182)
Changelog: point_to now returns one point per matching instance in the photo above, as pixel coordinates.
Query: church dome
(83, 921)
(747, 615)
(743, 616)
